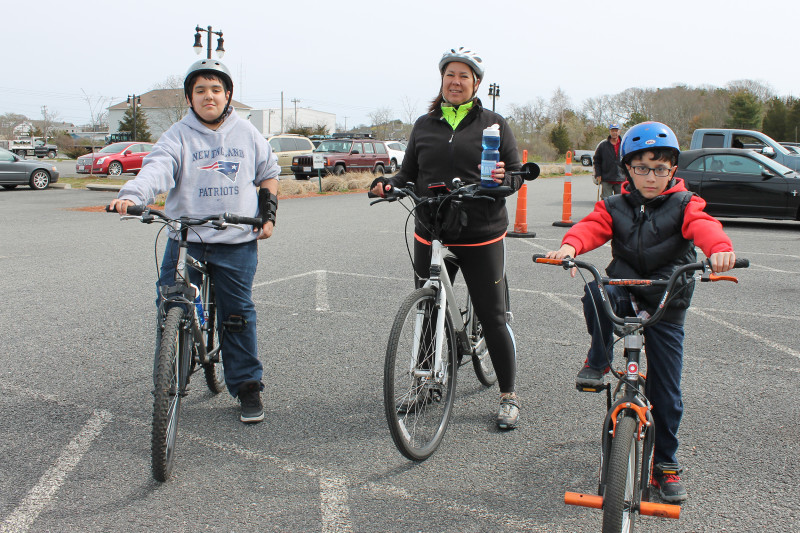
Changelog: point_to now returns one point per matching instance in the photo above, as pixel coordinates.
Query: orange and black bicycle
(629, 430)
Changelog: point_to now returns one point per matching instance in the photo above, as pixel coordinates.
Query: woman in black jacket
(444, 144)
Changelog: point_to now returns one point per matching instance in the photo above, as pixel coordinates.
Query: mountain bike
(432, 336)
(188, 332)
(629, 429)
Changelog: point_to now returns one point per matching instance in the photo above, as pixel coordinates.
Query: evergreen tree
(127, 124)
(774, 123)
(744, 111)
(560, 138)
(792, 129)
(634, 119)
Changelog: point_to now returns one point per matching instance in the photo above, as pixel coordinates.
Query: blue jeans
(664, 351)
(232, 267)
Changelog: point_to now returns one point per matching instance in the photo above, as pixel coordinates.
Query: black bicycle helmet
(213, 67)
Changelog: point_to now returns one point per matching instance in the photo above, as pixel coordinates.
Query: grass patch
(80, 183)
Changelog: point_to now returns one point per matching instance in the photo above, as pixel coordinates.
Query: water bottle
(490, 155)
(198, 304)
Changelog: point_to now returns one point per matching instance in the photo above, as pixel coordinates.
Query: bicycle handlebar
(148, 215)
(472, 191)
(668, 284)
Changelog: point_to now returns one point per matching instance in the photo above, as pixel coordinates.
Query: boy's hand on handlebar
(722, 261)
(566, 250)
(266, 230)
(120, 206)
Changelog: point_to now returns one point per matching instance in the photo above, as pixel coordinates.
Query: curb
(103, 187)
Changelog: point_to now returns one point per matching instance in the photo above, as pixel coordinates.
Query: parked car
(746, 139)
(342, 155)
(586, 157)
(397, 151)
(286, 146)
(791, 147)
(16, 170)
(114, 159)
(741, 183)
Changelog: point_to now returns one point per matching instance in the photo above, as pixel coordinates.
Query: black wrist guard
(267, 206)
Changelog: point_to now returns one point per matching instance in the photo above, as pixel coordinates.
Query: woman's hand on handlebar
(380, 187)
(566, 250)
(120, 206)
(722, 261)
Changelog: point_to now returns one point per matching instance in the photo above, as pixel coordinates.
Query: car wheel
(115, 168)
(379, 170)
(40, 179)
(586, 161)
(51, 154)
(300, 176)
(9, 187)
(338, 170)
(393, 166)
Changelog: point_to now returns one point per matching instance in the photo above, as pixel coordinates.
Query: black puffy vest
(648, 244)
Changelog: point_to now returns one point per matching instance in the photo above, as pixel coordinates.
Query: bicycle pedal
(592, 388)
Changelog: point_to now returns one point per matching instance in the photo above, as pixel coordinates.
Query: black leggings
(483, 268)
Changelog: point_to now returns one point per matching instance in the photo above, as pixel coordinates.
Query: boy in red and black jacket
(653, 227)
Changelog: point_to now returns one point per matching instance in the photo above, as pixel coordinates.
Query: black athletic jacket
(437, 153)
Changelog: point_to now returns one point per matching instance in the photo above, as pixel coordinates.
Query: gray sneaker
(508, 416)
(250, 398)
(590, 377)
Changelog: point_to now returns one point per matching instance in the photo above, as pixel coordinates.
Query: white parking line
(747, 333)
(44, 491)
(333, 503)
(322, 291)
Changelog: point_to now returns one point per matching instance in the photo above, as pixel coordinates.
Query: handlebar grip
(136, 210)
(741, 263)
(236, 219)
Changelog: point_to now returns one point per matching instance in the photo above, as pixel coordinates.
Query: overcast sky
(353, 57)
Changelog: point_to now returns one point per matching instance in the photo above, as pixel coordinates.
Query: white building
(268, 121)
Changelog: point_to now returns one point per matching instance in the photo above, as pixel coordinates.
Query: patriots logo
(228, 168)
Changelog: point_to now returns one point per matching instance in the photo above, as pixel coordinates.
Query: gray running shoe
(508, 416)
(590, 377)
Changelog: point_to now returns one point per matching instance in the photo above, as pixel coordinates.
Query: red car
(114, 159)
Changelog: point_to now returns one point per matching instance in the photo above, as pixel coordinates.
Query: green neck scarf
(454, 115)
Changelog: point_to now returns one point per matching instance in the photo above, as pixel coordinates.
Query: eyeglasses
(642, 170)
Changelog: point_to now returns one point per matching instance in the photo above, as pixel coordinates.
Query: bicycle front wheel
(214, 371)
(621, 494)
(171, 375)
(418, 404)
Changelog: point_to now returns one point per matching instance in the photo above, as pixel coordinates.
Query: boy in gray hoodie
(213, 162)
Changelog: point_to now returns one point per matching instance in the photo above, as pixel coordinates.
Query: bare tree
(169, 103)
(9, 122)
(49, 119)
(761, 90)
(600, 111)
(98, 111)
(559, 105)
(380, 121)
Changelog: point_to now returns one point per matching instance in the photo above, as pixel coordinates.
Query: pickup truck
(32, 146)
(586, 157)
(745, 139)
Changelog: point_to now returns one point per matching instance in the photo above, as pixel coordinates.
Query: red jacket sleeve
(705, 230)
(592, 231)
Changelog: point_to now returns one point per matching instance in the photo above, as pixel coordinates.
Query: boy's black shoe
(250, 398)
(667, 479)
(590, 377)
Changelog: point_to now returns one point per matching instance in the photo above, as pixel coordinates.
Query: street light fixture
(198, 45)
(137, 102)
(494, 92)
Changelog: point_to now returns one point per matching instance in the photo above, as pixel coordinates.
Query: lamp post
(136, 101)
(494, 92)
(198, 46)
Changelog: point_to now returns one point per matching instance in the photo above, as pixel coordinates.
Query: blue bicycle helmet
(646, 136)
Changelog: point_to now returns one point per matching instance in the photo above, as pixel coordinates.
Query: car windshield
(772, 165)
(334, 146)
(114, 148)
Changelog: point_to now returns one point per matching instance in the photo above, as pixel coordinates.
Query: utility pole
(281, 111)
(294, 101)
(198, 46)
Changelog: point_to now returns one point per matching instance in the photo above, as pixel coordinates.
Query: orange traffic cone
(566, 207)
(521, 218)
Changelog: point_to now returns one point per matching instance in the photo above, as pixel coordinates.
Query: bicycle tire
(620, 498)
(418, 409)
(170, 379)
(214, 371)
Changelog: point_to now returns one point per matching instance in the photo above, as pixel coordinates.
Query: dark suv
(342, 155)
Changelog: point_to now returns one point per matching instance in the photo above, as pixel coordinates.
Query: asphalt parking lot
(78, 290)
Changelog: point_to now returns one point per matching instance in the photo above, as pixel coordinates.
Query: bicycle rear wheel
(214, 371)
(621, 494)
(171, 376)
(418, 405)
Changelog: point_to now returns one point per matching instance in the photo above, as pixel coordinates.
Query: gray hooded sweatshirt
(207, 172)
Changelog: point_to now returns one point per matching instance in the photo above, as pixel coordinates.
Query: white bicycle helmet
(463, 55)
(208, 66)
